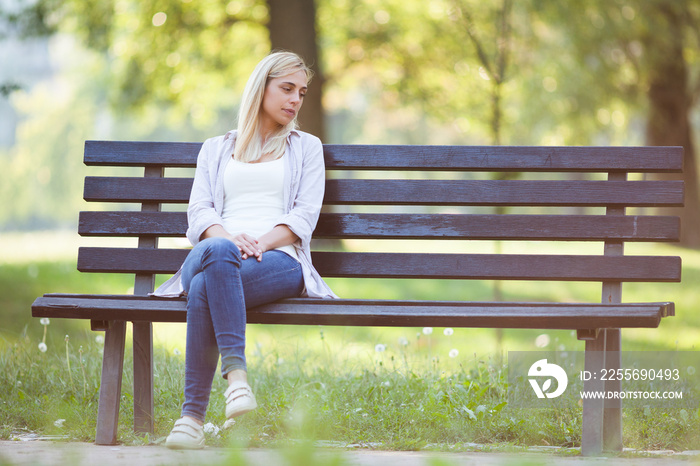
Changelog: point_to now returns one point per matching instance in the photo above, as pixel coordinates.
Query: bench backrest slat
(418, 158)
(421, 192)
(418, 265)
(503, 158)
(141, 153)
(417, 226)
(504, 193)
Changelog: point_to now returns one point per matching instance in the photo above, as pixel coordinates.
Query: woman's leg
(277, 276)
(215, 305)
(220, 286)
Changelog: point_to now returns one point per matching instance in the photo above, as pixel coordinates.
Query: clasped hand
(249, 246)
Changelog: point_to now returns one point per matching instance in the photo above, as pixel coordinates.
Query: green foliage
(27, 19)
(608, 54)
(195, 55)
(395, 72)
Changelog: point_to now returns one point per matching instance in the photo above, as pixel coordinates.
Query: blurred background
(531, 72)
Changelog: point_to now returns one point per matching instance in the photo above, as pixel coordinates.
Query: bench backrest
(421, 193)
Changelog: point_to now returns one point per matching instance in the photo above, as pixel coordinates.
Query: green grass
(325, 383)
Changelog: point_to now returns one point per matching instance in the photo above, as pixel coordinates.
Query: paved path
(45, 453)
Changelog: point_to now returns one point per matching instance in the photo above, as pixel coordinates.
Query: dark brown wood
(496, 227)
(436, 266)
(144, 416)
(301, 311)
(144, 420)
(111, 383)
(504, 158)
(417, 226)
(498, 266)
(504, 193)
(141, 153)
(592, 435)
(164, 224)
(123, 260)
(422, 192)
(421, 158)
(612, 408)
(612, 293)
(126, 189)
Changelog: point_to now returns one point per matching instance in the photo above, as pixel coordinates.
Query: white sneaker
(239, 399)
(186, 435)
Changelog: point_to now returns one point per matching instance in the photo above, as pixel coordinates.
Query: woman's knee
(219, 246)
(196, 289)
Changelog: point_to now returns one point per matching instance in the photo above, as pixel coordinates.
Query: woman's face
(282, 100)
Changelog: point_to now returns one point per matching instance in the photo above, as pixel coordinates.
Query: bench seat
(365, 312)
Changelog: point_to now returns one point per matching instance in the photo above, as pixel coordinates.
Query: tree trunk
(669, 118)
(292, 27)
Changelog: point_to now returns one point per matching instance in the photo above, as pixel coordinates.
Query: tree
(292, 27)
(192, 57)
(638, 57)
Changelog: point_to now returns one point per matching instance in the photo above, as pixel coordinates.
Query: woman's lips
(289, 111)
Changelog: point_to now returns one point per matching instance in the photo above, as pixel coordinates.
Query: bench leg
(143, 377)
(612, 424)
(111, 384)
(592, 439)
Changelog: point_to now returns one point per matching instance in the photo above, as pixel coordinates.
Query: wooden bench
(554, 200)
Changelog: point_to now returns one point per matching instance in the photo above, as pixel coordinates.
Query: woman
(255, 201)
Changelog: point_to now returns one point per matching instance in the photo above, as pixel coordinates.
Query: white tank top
(254, 198)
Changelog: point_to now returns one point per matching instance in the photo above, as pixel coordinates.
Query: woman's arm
(279, 236)
(249, 246)
(201, 213)
(302, 217)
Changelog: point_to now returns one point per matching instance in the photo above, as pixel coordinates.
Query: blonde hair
(249, 147)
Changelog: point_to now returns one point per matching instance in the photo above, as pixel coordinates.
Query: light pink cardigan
(304, 181)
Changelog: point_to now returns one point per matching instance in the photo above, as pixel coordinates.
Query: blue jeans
(220, 286)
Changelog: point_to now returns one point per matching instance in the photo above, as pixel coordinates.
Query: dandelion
(380, 348)
(387, 384)
(427, 330)
(403, 341)
(690, 370)
(176, 352)
(45, 322)
(100, 339)
(211, 429)
(448, 331)
(59, 422)
(542, 340)
(453, 353)
(228, 424)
